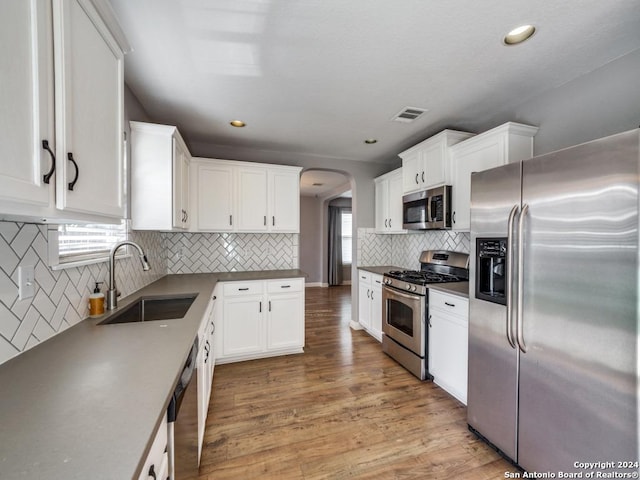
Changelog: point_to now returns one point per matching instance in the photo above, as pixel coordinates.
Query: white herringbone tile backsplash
(61, 296)
(230, 252)
(404, 250)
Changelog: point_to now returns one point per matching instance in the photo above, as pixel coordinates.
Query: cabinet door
(201, 372)
(243, 325)
(284, 201)
(26, 97)
(434, 165)
(412, 170)
(251, 200)
(448, 344)
(364, 299)
(376, 306)
(89, 112)
(285, 321)
(381, 204)
(485, 156)
(215, 197)
(180, 168)
(395, 204)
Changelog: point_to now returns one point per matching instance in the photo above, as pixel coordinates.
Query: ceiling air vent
(408, 114)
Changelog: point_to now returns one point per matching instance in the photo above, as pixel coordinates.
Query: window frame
(59, 262)
(343, 212)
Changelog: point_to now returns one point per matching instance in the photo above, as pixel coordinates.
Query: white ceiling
(318, 77)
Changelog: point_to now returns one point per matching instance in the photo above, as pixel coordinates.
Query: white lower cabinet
(448, 342)
(205, 365)
(370, 303)
(157, 463)
(260, 319)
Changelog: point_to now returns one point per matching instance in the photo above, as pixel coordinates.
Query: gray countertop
(460, 289)
(85, 403)
(381, 270)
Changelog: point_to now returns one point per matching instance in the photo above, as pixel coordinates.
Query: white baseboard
(355, 325)
(348, 282)
(314, 284)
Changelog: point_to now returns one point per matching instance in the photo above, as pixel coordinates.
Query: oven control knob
(408, 287)
(413, 288)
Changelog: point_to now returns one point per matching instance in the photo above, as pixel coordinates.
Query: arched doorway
(318, 189)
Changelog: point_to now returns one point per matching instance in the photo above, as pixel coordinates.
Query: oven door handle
(409, 296)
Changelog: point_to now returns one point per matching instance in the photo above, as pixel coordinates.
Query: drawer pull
(152, 472)
(243, 289)
(449, 304)
(285, 286)
(72, 183)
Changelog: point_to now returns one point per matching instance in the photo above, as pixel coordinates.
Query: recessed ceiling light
(519, 34)
(237, 123)
(370, 141)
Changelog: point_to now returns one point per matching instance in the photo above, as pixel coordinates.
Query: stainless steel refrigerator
(553, 326)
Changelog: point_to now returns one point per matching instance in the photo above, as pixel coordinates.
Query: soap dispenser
(96, 301)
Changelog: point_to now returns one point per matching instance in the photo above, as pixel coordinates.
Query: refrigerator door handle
(510, 267)
(520, 336)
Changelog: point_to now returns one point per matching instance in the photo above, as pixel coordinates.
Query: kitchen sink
(147, 309)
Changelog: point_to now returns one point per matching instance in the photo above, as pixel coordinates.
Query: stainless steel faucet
(112, 293)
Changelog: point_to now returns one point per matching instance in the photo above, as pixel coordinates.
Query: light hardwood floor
(343, 409)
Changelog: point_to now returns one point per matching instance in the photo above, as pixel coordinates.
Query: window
(85, 243)
(346, 237)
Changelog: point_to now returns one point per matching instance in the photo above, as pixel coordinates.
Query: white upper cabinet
(232, 196)
(251, 199)
(388, 201)
(160, 177)
(284, 200)
(510, 142)
(27, 103)
(427, 164)
(85, 70)
(89, 111)
(212, 196)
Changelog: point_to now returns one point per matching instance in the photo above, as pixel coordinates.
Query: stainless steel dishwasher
(182, 416)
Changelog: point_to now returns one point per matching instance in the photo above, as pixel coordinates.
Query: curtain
(335, 245)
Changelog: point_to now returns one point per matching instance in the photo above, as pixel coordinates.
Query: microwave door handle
(510, 269)
(429, 210)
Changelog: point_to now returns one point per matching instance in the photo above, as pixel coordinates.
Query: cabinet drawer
(232, 289)
(284, 286)
(364, 276)
(449, 303)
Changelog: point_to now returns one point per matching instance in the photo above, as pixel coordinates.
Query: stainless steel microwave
(428, 209)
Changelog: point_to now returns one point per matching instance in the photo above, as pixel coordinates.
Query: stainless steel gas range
(405, 306)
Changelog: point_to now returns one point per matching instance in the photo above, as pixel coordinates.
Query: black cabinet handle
(243, 289)
(152, 472)
(260, 309)
(454, 217)
(285, 286)
(273, 221)
(449, 304)
(265, 220)
(269, 305)
(389, 223)
(230, 219)
(385, 223)
(422, 177)
(368, 293)
(213, 327)
(73, 182)
(416, 179)
(47, 176)
(430, 321)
